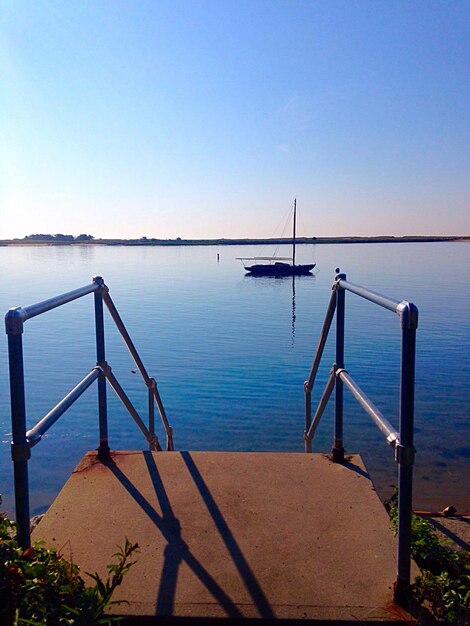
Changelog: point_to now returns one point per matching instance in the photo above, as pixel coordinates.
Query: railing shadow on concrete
(23, 440)
(246, 573)
(177, 552)
(402, 440)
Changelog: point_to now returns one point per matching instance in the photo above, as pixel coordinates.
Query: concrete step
(259, 536)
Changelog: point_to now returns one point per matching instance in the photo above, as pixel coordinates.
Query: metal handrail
(368, 294)
(401, 440)
(150, 382)
(121, 394)
(34, 435)
(382, 424)
(308, 385)
(23, 440)
(310, 431)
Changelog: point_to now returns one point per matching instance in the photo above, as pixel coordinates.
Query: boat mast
(293, 233)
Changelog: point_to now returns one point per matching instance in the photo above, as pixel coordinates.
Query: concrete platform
(232, 535)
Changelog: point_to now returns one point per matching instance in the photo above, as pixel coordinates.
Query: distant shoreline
(232, 242)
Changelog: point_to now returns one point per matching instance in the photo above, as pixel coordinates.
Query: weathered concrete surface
(453, 531)
(261, 535)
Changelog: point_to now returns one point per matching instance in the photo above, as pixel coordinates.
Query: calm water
(230, 354)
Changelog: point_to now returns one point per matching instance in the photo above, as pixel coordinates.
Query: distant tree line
(58, 237)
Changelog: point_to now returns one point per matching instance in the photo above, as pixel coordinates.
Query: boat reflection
(292, 278)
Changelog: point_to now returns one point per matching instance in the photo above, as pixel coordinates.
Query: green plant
(444, 583)
(39, 587)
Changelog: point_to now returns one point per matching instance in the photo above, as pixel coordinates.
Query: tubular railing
(23, 440)
(402, 440)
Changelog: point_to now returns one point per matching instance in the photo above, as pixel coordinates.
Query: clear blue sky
(205, 118)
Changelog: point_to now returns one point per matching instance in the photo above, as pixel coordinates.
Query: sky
(206, 118)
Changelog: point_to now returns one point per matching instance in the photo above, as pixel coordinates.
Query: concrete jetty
(232, 535)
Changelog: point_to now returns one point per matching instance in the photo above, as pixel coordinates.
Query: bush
(39, 587)
(444, 583)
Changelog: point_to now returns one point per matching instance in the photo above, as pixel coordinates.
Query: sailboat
(278, 266)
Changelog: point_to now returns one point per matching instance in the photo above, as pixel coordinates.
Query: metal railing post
(308, 416)
(401, 441)
(103, 449)
(405, 450)
(338, 450)
(151, 401)
(20, 451)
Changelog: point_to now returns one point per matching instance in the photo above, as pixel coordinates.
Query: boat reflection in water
(293, 277)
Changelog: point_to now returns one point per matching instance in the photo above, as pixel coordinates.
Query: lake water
(230, 354)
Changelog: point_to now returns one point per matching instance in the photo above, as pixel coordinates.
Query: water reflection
(293, 311)
(283, 279)
(243, 348)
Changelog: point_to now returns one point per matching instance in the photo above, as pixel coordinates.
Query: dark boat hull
(280, 269)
